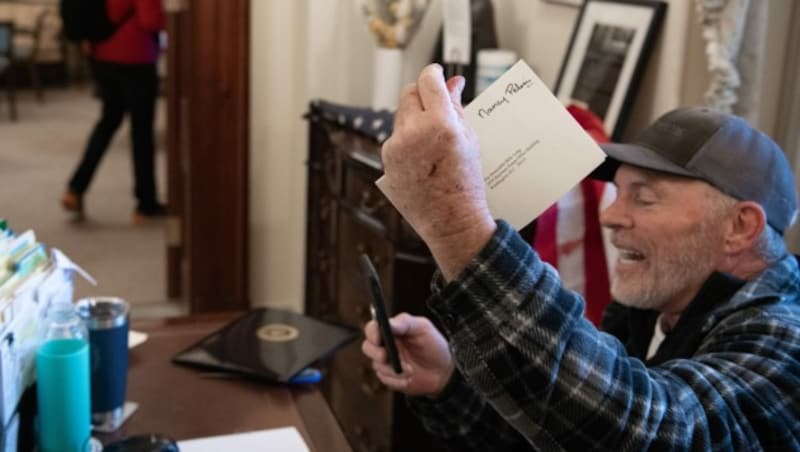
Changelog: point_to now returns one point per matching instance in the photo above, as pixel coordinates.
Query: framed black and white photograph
(606, 57)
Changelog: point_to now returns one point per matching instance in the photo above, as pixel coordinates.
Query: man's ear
(745, 227)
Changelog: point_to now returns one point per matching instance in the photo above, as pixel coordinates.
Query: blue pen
(309, 375)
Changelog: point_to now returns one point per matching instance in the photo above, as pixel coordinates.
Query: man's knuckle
(446, 135)
(409, 89)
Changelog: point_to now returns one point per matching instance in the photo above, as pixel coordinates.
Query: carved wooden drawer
(357, 238)
(361, 403)
(363, 196)
(322, 261)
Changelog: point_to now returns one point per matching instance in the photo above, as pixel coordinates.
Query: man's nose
(616, 216)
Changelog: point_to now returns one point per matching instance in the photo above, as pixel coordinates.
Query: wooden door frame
(209, 146)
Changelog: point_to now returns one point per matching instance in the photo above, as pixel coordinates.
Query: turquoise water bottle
(62, 375)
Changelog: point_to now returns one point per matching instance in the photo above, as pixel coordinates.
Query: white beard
(675, 265)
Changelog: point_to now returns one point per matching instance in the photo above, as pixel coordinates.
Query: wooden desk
(181, 403)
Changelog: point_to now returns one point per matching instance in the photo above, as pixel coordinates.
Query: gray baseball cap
(719, 148)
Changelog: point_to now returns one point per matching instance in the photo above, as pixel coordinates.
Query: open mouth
(629, 256)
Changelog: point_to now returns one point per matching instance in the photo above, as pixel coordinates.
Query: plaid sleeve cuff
(463, 418)
(456, 394)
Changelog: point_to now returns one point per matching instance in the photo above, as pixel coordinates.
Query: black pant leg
(109, 88)
(140, 89)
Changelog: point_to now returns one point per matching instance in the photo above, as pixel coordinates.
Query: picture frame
(606, 57)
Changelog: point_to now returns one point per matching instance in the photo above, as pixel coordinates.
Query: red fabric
(594, 258)
(133, 42)
(590, 122)
(546, 243)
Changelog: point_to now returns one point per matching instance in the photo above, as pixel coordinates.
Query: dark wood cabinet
(347, 215)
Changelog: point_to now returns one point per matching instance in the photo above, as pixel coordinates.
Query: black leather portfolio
(267, 343)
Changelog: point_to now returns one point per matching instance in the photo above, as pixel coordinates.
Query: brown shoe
(73, 202)
(148, 215)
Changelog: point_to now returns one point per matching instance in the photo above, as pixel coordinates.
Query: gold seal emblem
(277, 332)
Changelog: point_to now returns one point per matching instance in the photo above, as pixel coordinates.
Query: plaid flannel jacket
(534, 374)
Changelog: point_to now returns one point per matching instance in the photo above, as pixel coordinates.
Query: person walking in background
(124, 70)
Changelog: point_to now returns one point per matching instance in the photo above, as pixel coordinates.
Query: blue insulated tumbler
(106, 318)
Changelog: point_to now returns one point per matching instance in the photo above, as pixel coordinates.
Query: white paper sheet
(286, 439)
(136, 338)
(532, 150)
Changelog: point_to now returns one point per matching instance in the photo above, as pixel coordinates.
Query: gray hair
(770, 245)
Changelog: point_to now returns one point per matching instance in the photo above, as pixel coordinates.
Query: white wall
(279, 90)
(341, 49)
(300, 50)
(303, 49)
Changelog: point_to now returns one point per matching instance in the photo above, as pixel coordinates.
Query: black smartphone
(379, 312)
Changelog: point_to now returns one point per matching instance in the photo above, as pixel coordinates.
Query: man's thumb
(402, 324)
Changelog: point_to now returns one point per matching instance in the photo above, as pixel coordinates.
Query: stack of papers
(30, 282)
(21, 257)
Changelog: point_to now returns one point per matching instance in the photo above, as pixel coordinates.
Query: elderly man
(707, 322)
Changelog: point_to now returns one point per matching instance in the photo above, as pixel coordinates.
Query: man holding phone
(705, 352)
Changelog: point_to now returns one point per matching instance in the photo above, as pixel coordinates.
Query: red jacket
(133, 42)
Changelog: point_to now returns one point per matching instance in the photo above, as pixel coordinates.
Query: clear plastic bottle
(62, 374)
(62, 322)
